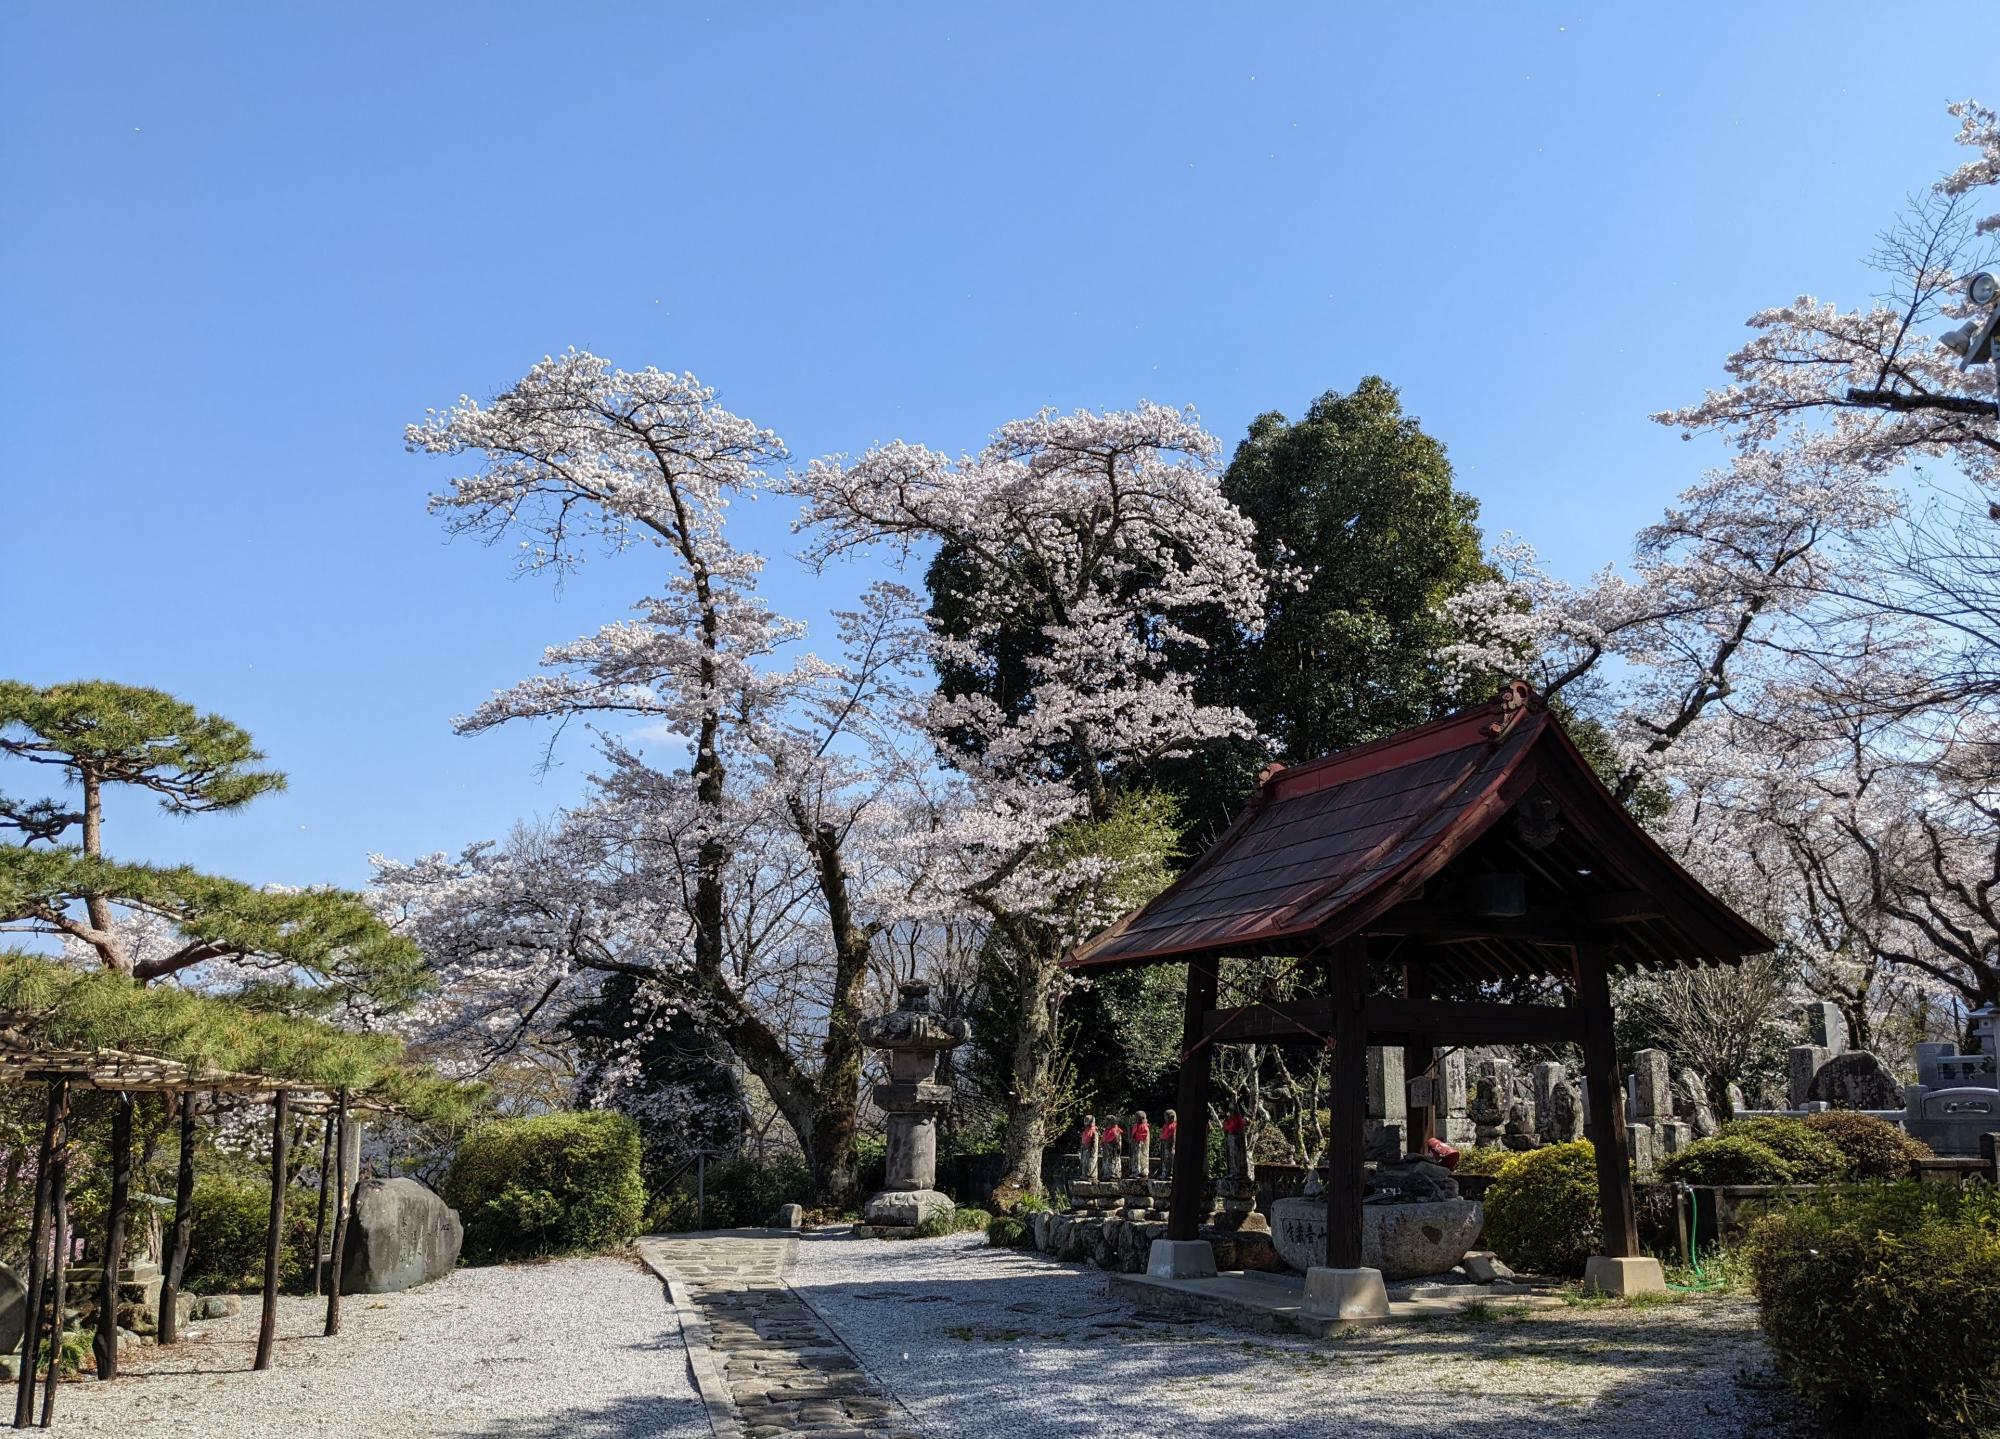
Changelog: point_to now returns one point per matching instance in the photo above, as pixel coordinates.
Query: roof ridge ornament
(1516, 699)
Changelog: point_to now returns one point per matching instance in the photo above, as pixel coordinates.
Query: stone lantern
(912, 1099)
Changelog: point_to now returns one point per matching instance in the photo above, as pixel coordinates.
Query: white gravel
(584, 1347)
(996, 1344)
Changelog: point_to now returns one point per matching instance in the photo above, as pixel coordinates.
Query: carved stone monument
(912, 1100)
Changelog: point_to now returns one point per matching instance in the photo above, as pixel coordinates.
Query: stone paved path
(784, 1371)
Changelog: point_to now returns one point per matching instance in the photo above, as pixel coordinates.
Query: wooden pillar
(106, 1345)
(1348, 1098)
(274, 1238)
(183, 1232)
(341, 1204)
(1607, 1103)
(325, 1186)
(1190, 1196)
(38, 1236)
(58, 1283)
(1419, 1054)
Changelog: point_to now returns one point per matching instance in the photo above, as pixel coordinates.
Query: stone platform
(1275, 1303)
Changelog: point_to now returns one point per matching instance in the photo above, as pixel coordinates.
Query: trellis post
(319, 1218)
(340, 1214)
(274, 1238)
(58, 1279)
(24, 1395)
(114, 1236)
(177, 1249)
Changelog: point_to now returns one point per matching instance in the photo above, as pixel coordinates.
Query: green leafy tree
(152, 921)
(1362, 502)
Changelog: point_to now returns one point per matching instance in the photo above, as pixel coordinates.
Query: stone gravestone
(1382, 1135)
(1826, 1026)
(1653, 1094)
(1547, 1077)
(1802, 1063)
(1454, 1124)
(1491, 1099)
(912, 1100)
(399, 1235)
(1694, 1105)
(1855, 1080)
(13, 1310)
(1565, 1113)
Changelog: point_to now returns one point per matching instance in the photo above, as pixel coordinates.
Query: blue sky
(245, 244)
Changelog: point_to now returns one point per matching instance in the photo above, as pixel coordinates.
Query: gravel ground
(587, 1348)
(996, 1344)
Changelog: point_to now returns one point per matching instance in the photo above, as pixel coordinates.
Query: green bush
(1812, 1157)
(1874, 1148)
(1726, 1159)
(1489, 1160)
(1881, 1304)
(1542, 1213)
(953, 1221)
(232, 1219)
(740, 1193)
(553, 1184)
(1004, 1231)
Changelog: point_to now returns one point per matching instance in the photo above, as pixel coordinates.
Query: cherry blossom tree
(1104, 535)
(723, 885)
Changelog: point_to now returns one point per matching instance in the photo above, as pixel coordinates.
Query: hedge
(553, 1184)
(1874, 1148)
(232, 1220)
(1542, 1213)
(1726, 1159)
(1812, 1157)
(1881, 1305)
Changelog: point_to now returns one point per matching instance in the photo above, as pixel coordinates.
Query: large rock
(13, 1310)
(401, 1235)
(1855, 1080)
(1404, 1241)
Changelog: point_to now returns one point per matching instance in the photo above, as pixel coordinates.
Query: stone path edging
(765, 1360)
(722, 1420)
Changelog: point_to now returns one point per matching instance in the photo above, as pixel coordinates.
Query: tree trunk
(274, 1236)
(837, 1098)
(1034, 1068)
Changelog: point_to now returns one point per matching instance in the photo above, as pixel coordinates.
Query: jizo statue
(1169, 1137)
(1086, 1150)
(1141, 1139)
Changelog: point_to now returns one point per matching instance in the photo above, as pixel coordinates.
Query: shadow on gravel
(638, 1417)
(1046, 1351)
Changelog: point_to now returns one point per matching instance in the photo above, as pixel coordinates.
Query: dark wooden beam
(1442, 924)
(1607, 1104)
(1395, 1020)
(1453, 1022)
(1419, 1054)
(1190, 1195)
(1623, 907)
(1348, 1099)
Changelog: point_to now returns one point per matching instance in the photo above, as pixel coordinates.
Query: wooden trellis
(127, 1075)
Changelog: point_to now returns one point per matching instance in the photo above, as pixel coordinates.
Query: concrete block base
(1621, 1278)
(1353, 1296)
(1181, 1259)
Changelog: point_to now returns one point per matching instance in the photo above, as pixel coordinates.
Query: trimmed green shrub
(741, 1193)
(1004, 1231)
(1726, 1159)
(1812, 1157)
(1881, 1304)
(232, 1218)
(553, 1184)
(1488, 1160)
(1874, 1148)
(1542, 1213)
